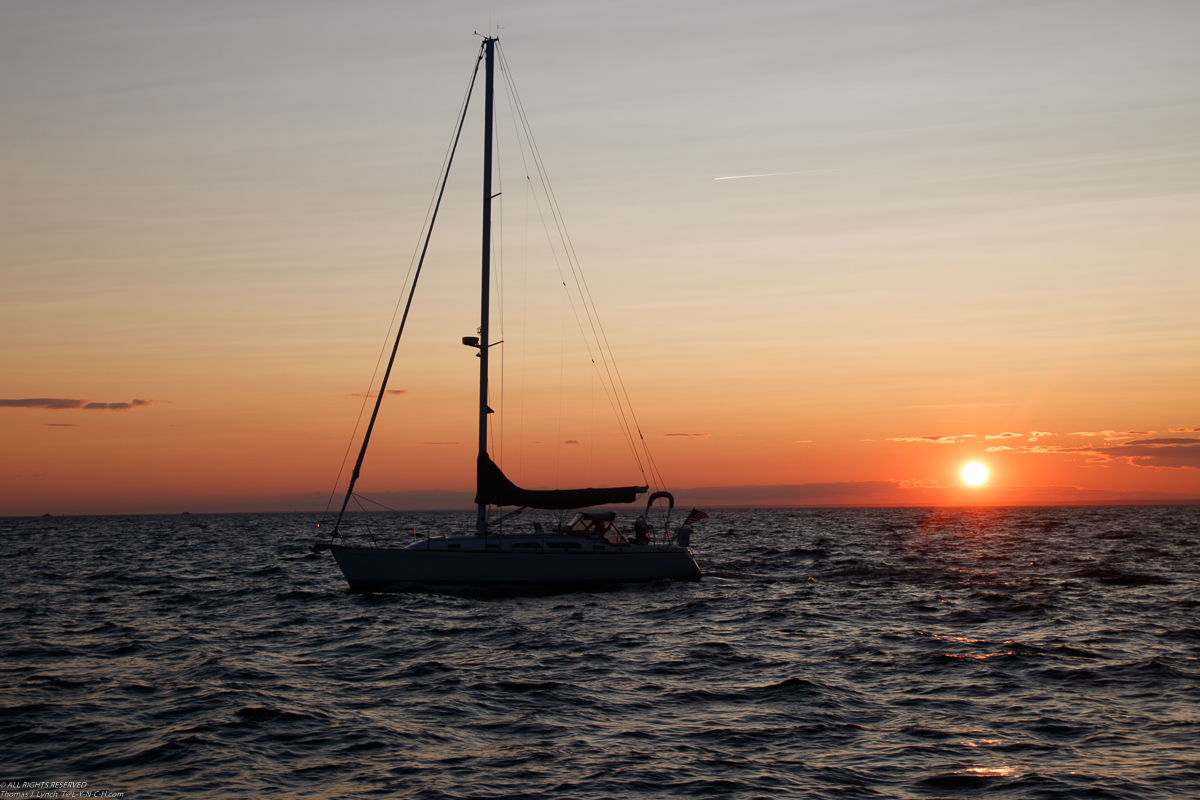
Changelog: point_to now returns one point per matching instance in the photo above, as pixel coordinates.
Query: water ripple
(911, 653)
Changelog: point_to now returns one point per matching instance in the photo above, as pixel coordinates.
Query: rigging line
(366, 521)
(592, 430)
(604, 348)
(607, 357)
(592, 314)
(358, 498)
(609, 388)
(429, 210)
(611, 396)
(577, 272)
(562, 350)
(614, 399)
(408, 305)
(497, 261)
(507, 83)
(568, 247)
(524, 329)
(493, 425)
(612, 403)
(524, 343)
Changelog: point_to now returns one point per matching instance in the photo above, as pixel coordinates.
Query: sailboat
(589, 550)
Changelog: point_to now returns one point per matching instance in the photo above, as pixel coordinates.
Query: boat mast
(412, 291)
(489, 84)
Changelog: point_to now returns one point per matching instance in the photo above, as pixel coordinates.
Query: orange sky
(939, 235)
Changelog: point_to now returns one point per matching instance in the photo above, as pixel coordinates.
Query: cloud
(115, 406)
(1098, 455)
(58, 403)
(1111, 435)
(918, 483)
(951, 439)
(1055, 448)
(1162, 441)
(1158, 456)
(1167, 453)
(376, 394)
(689, 435)
(571, 441)
(963, 437)
(59, 425)
(43, 402)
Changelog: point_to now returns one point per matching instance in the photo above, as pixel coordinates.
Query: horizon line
(1169, 501)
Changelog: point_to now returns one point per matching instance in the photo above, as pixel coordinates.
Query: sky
(839, 250)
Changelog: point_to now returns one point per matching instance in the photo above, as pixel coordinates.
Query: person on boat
(641, 531)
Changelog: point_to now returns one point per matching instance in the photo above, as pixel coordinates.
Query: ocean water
(846, 653)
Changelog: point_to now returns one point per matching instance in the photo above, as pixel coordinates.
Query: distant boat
(589, 550)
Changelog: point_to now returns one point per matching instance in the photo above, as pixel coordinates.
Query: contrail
(772, 174)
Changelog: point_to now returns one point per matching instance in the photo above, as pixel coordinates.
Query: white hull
(380, 569)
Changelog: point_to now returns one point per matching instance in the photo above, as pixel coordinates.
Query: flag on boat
(695, 516)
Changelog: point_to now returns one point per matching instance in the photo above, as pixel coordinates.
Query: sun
(974, 473)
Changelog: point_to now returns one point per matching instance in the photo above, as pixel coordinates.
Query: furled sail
(493, 488)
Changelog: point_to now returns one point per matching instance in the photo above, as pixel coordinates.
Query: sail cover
(494, 489)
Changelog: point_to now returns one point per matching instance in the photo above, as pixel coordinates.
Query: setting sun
(974, 474)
